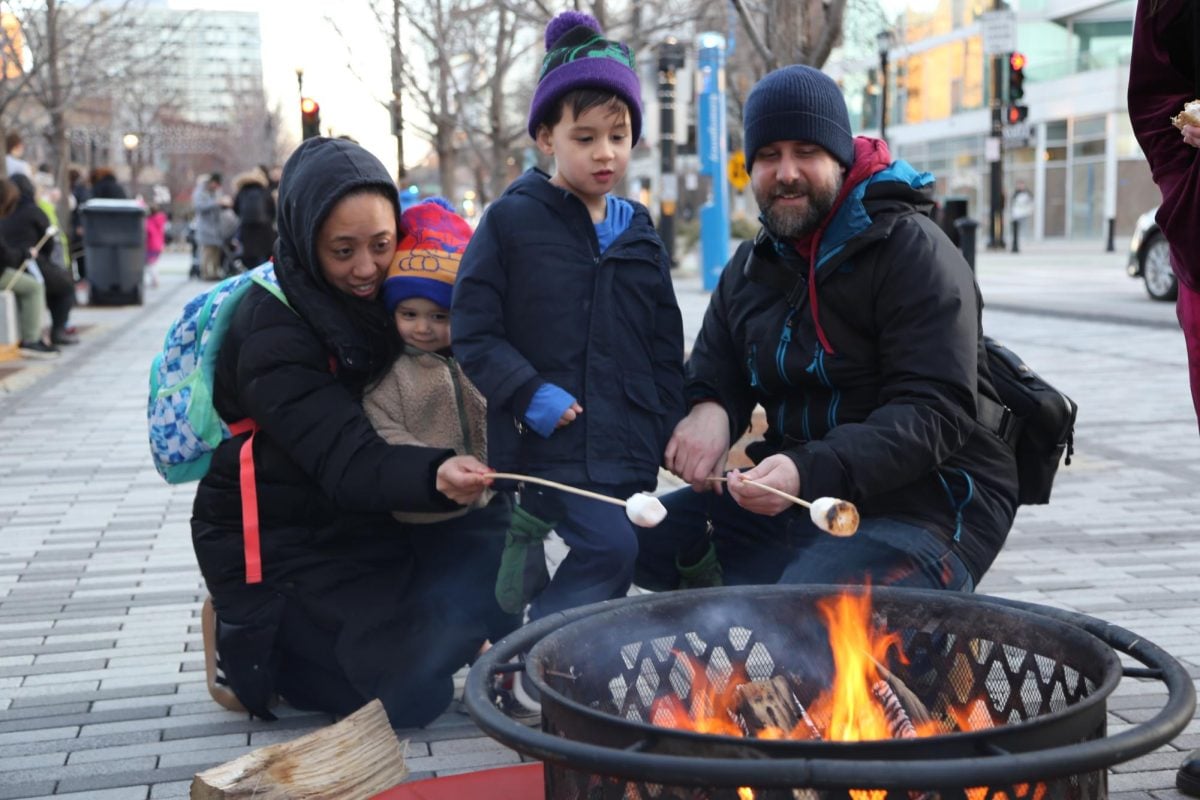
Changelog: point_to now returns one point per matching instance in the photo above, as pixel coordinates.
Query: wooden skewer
(765, 488)
(513, 476)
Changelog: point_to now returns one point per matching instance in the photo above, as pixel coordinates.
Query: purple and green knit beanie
(579, 57)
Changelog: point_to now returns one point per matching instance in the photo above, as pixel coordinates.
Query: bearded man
(855, 323)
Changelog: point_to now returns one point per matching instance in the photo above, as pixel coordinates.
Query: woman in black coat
(23, 229)
(351, 605)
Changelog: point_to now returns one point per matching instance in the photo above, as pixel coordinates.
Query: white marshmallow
(831, 515)
(645, 510)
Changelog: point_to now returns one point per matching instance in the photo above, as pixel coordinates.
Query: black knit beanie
(798, 103)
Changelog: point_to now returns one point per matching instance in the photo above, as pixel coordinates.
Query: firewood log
(357, 757)
(771, 704)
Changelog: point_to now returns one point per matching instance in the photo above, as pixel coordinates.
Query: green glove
(705, 572)
(523, 571)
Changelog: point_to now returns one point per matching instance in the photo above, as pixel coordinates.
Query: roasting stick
(642, 509)
(831, 515)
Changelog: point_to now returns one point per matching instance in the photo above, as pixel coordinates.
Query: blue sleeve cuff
(546, 408)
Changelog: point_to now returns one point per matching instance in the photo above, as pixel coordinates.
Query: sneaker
(63, 337)
(525, 693)
(38, 350)
(218, 687)
(514, 710)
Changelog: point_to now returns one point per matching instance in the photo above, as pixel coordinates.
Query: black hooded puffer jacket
(326, 481)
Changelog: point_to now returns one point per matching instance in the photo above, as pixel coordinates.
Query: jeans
(788, 548)
(603, 547)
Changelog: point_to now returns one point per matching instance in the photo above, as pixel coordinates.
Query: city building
(1074, 149)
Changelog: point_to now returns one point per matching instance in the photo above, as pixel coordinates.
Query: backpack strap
(251, 547)
(999, 419)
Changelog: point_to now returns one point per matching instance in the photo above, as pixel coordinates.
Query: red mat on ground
(519, 782)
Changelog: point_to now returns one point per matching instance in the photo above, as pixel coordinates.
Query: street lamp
(130, 141)
(883, 41)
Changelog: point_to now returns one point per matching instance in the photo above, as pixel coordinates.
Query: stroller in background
(231, 249)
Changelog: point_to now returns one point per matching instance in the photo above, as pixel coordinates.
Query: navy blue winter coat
(537, 302)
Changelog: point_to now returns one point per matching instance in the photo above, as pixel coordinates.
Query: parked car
(1150, 258)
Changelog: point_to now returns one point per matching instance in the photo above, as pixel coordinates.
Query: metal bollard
(966, 239)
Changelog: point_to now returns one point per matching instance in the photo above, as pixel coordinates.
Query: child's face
(423, 324)
(591, 152)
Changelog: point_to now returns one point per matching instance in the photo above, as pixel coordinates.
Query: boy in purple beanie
(564, 315)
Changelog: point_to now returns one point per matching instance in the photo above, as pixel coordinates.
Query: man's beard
(790, 222)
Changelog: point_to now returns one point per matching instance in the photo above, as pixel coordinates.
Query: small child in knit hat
(426, 400)
(565, 317)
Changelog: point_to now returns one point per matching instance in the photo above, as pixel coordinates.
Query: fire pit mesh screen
(992, 682)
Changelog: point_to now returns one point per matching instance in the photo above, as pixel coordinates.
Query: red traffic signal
(1017, 114)
(310, 117)
(1016, 76)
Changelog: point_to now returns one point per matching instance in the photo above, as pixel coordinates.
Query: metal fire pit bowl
(1043, 673)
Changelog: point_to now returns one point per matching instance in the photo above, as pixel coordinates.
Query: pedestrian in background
(565, 317)
(207, 204)
(14, 147)
(1022, 209)
(25, 229)
(1164, 76)
(28, 291)
(255, 210)
(156, 236)
(105, 185)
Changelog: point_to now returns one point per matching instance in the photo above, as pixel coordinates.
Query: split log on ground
(771, 704)
(357, 757)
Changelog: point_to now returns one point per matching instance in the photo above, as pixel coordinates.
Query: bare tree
(793, 31)
(15, 71)
(80, 50)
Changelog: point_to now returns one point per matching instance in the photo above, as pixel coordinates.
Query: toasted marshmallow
(831, 515)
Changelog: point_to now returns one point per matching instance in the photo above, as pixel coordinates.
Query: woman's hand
(462, 479)
(777, 471)
(1191, 135)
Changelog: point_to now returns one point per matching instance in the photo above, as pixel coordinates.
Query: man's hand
(777, 471)
(1191, 135)
(462, 479)
(569, 415)
(699, 446)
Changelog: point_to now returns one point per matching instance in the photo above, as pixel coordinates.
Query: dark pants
(454, 610)
(789, 548)
(603, 547)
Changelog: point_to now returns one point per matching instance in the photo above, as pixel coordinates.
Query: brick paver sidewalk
(101, 672)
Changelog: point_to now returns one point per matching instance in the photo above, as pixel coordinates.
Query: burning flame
(859, 704)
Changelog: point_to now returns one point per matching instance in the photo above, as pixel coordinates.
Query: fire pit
(747, 692)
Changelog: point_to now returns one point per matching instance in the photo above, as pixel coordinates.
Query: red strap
(250, 540)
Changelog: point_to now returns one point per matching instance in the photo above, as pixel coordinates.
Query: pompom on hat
(579, 57)
(427, 257)
(798, 103)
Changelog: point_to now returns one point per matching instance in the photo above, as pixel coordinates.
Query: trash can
(954, 208)
(114, 243)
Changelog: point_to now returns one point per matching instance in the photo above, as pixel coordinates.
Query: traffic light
(1017, 114)
(1016, 77)
(310, 117)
